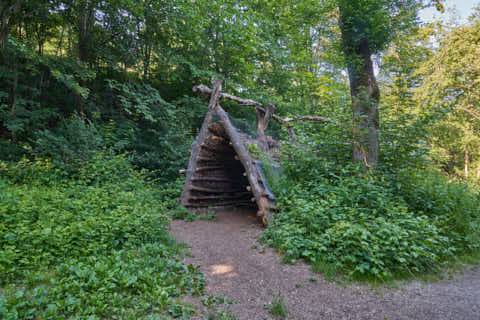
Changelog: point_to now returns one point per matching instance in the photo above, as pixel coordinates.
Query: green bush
(357, 226)
(454, 204)
(93, 246)
(338, 217)
(71, 143)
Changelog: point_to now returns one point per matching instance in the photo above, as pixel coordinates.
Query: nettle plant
(338, 217)
(93, 243)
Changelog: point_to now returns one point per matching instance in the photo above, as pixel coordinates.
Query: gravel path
(233, 267)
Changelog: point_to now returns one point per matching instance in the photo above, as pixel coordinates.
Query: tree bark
(60, 42)
(478, 167)
(192, 164)
(9, 11)
(86, 19)
(365, 96)
(263, 118)
(85, 23)
(466, 163)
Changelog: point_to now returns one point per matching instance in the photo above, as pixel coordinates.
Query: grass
(213, 303)
(221, 315)
(181, 213)
(328, 270)
(277, 307)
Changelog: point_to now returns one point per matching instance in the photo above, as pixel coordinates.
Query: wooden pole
(196, 147)
(265, 205)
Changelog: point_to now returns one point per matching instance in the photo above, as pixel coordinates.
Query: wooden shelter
(221, 171)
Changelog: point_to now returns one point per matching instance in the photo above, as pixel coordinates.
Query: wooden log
(263, 182)
(248, 102)
(192, 163)
(239, 195)
(200, 158)
(212, 148)
(219, 139)
(263, 118)
(217, 129)
(219, 204)
(216, 146)
(206, 168)
(219, 160)
(210, 190)
(252, 173)
(310, 118)
(213, 179)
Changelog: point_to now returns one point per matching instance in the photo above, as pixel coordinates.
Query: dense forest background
(81, 76)
(96, 105)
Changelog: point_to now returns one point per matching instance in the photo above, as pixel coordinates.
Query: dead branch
(203, 89)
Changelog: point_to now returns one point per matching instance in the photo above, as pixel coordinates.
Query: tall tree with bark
(9, 12)
(367, 27)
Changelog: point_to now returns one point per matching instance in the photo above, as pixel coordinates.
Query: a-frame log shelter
(221, 171)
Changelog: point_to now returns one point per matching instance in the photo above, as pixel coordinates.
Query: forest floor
(238, 267)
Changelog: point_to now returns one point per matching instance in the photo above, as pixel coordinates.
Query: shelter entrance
(220, 178)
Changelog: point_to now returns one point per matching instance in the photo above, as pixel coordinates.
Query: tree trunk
(466, 163)
(263, 118)
(86, 19)
(40, 48)
(478, 166)
(8, 14)
(365, 97)
(60, 42)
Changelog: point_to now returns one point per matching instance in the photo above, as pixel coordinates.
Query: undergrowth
(92, 243)
(277, 307)
(345, 221)
(182, 213)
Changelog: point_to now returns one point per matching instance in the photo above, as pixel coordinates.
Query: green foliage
(455, 205)
(213, 302)
(373, 23)
(181, 213)
(452, 93)
(277, 307)
(221, 315)
(93, 246)
(343, 220)
(73, 142)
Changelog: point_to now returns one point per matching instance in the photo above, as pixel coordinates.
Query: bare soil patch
(237, 266)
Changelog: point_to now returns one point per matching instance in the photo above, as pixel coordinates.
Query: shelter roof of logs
(221, 171)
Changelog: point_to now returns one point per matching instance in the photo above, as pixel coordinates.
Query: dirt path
(225, 250)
